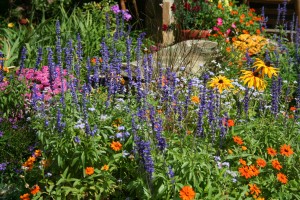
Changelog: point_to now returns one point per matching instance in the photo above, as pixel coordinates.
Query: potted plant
(194, 18)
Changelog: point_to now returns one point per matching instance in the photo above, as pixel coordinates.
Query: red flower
(165, 27)
(187, 6)
(173, 7)
(196, 8)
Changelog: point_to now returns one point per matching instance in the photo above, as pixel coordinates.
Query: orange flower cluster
(28, 165)
(238, 140)
(187, 193)
(105, 168)
(276, 164)
(261, 162)
(25, 196)
(254, 189)
(35, 189)
(282, 178)
(116, 146)
(286, 150)
(271, 151)
(89, 170)
(195, 99)
(253, 43)
(249, 171)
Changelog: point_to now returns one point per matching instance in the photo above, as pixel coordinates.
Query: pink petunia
(216, 28)
(219, 21)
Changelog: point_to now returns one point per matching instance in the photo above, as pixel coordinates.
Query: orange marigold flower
(254, 171)
(230, 122)
(228, 49)
(276, 164)
(38, 153)
(286, 150)
(243, 162)
(258, 32)
(254, 189)
(25, 196)
(220, 6)
(244, 148)
(238, 140)
(245, 31)
(89, 170)
(105, 168)
(188, 132)
(116, 146)
(187, 193)
(271, 151)
(293, 108)
(282, 178)
(245, 171)
(35, 189)
(261, 162)
(195, 99)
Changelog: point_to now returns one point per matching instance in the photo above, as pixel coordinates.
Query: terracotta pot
(195, 34)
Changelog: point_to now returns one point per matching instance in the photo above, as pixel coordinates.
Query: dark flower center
(256, 74)
(221, 81)
(268, 63)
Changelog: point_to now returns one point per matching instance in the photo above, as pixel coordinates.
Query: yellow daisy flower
(265, 68)
(10, 25)
(220, 82)
(253, 79)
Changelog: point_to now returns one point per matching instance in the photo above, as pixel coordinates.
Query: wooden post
(123, 6)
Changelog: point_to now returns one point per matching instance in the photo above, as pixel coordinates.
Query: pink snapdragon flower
(233, 25)
(219, 21)
(216, 28)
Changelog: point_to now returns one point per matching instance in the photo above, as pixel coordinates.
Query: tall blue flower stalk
(275, 97)
(246, 102)
(96, 73)
(79, 54)
(202, 96)
(85, 92)
(1, 66)
(211, 114)
(58, 44)
(59, 123)
(144, 150)
(39, 58)
(297, 97)
(104, 51)
(51, 68)
(23, 58)
(128, 57)
(158, 128)
(69, 57)
(88, 74)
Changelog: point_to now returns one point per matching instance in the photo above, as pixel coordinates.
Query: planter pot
(194, 34)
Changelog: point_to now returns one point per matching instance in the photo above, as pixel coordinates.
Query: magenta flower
(228, 31)
(233, 25)
(115, 9)
(216, 28)
(219, 21)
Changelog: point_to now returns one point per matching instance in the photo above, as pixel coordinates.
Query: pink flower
(216, 28)
(228, 31)
(233, 25)
(219, 21)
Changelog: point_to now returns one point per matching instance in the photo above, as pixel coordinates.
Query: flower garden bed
(229, 132)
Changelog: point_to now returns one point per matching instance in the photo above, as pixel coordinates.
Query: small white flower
(92, 109)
